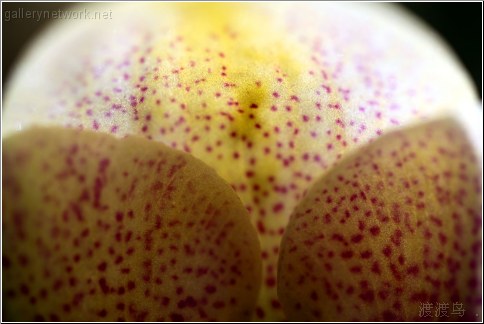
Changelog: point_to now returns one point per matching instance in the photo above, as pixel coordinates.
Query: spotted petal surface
(100, 229)
(392, 228)
(269, 95)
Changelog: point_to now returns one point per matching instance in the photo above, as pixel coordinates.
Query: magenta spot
(102, 266)
(367, 296)
(396, 237)
(348, 254)
(121, 291)
(278, 207)
(271, 282)
(375, 268)
(210, 289)
(387, 251)
(119, 216)
(85, 232)
(76, 258)
(413, 270)
(102, 313)
(355, 269)
(131, 285)
(165, 301)
(103, 285)
(357, 238)
(190, 302)
(395, 272)
(442, 238)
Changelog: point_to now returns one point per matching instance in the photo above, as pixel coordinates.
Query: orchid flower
(237, 161)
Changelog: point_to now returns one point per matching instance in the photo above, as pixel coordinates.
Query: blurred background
(460, 23)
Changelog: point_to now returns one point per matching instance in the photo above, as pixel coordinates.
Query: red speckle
(165, 301)
(210, 289)
(271, 282)
(119, 216)
(102, 266)
(348, 254)
(102, 313)
(278, 207)
(367, 296)
(375, 268)
(275, 304)
(395, 272)
(355, 269)
(413, 270)
(442, 238)
(103, 285)
(357, 238)
(387, 251)
(396, 237)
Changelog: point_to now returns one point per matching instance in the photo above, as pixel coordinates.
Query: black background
(459, 23)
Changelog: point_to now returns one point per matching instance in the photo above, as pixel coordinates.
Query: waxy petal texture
(394, 226)
(101, 229)
(270, 95)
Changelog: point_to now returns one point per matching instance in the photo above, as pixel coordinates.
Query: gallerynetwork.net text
(38, 15)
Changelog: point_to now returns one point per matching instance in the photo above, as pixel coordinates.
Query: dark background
(459, 23)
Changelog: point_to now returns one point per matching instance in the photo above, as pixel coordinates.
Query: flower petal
(270, 95)
(101, 229)
(392, 227)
